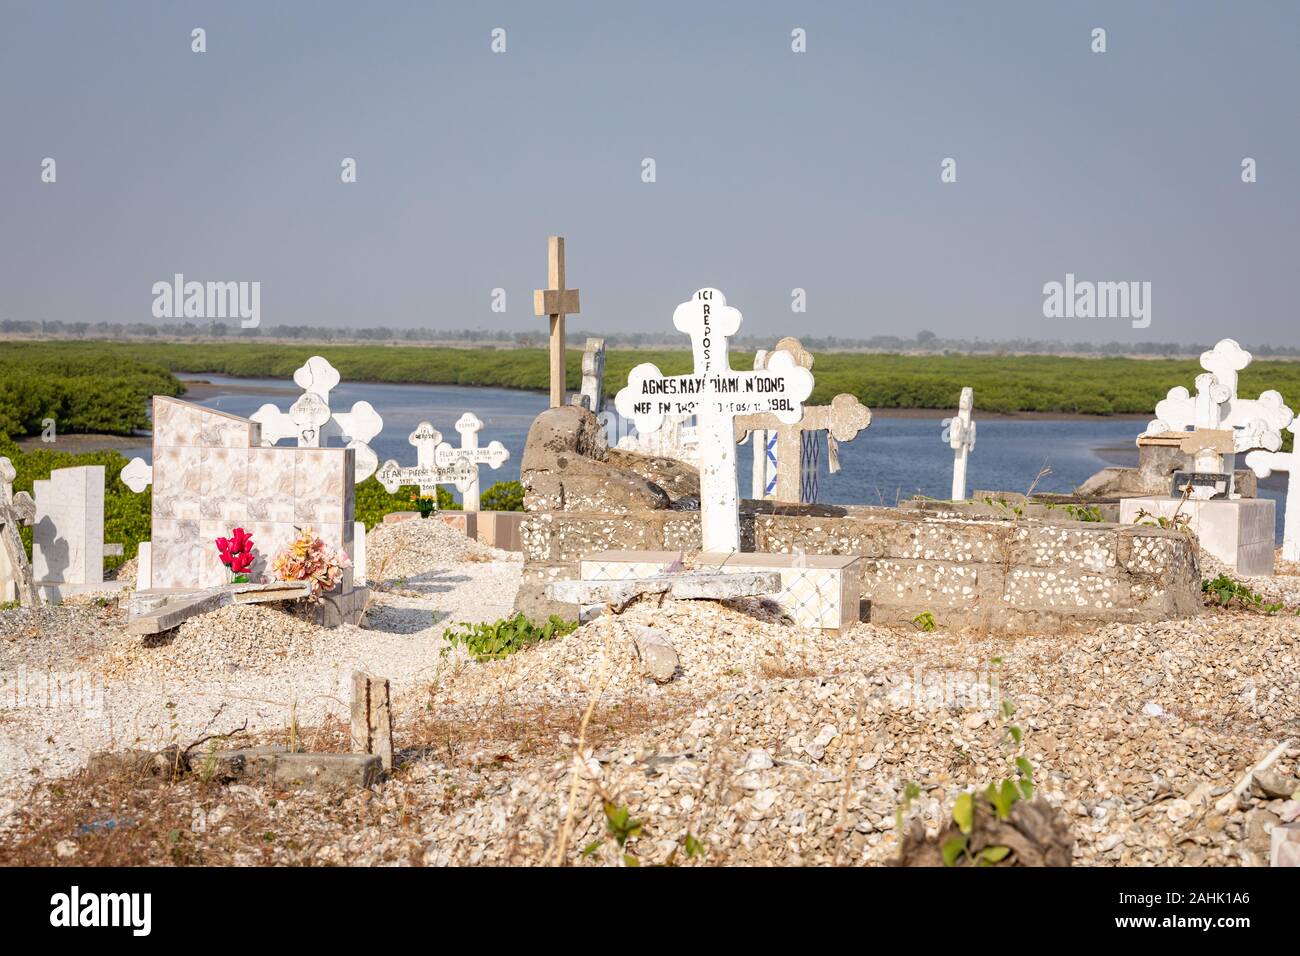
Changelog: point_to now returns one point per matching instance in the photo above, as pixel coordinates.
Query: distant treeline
(923, 341)
(102, 386)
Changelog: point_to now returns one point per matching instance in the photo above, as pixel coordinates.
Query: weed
(500, 639)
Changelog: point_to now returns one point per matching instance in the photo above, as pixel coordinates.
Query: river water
(895, 458)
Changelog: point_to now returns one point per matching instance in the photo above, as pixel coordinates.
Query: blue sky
(775, 170)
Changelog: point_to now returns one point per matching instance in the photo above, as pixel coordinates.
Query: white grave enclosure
(438, 463)
(960, 432)
(1263, 464)
(312, 424)
(715, 394)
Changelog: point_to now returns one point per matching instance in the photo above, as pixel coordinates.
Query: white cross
(714, 394)
(312, 424)
(960, 434)
(592, 395)
(137, 475)
(469, 456)
(1263, 464)
(438, 463)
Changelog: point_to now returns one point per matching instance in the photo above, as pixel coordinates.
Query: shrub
(500, 639)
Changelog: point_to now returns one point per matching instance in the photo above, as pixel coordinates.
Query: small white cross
(469, 456)
(137, 475)
(438, 463)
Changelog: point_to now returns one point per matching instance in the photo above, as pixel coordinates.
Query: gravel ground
(772, 744)
(72, 680)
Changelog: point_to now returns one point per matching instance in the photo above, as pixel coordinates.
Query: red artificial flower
(236, 552)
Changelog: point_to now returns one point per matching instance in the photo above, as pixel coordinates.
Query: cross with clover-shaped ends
(1263, 464)
(843, 418)
(715, 395)
(469, 456)
(312, 424)
(438, 463)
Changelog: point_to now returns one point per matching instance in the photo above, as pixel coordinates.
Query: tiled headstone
(68, 533)
(211, 474)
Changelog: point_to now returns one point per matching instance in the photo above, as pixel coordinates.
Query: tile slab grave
(1239, 532)
(212, 473)
(819, 591)
(68, 533)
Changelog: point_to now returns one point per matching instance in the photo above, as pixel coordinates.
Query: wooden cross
(844, 417)
(716, 395)
(557, 302)
(16, 509)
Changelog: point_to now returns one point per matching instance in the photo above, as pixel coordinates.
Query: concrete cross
(592, 394)
(1263, 464)
(468, 457)
(844, 417)
(715, 395)
(556, 302)
(15, 509)
(426, 474)
(764, 450)
(312, 424)
(960, 435)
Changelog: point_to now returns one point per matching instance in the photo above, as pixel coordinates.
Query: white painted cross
(1216, 414)
(715, 395)
(137, 475)
(960, 435)
(312, 424)
(469, 456)
(438, 463)
(1263, 464)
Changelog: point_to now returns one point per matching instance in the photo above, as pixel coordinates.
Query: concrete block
(68, 533)
(372, 718)
(327, 770)
(500, 529)
(1239, 531)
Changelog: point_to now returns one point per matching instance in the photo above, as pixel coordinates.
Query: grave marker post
(556, 302)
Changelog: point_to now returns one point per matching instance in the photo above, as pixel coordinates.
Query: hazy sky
(775, 170)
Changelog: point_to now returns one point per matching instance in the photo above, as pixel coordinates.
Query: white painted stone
(68, 533)
(359, 553)
(1263, 464)
(961, 438)
(144, 566)
(312, 424)
(592, 394)
(715, 395)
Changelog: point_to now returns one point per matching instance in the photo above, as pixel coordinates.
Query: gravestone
(312, 424)
(556, 302)
(1263, 464)
(213, 473)
(715, 395)
(68, 533)
(960, 434)
(797, 451)
(438, 463)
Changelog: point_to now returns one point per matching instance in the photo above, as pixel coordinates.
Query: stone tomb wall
(211, 475)
(965, 570)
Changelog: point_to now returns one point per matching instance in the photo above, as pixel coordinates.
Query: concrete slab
(1238, 531)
